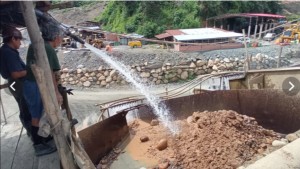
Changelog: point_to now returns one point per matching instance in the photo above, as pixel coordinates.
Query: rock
(108, 79)
(84, 70)
(184, 75)
(93, 74)
(144, 139)
(291, 137)
(103, 83)
(168, 64)
(145, 74)
(217, 60)
(114, 78)
(112, 73)
(83, 79)
(277, 143)
(101, 78)
(164, 164)
(79, 71)
(63, 76)
(87, 84)
(106, 73)
(215, 67)
(123, 82)
(80, 66)
(158, 70)
(155, 75)
(65, 70)
(200, 63)
(192, 65)
(210, 63)
(190, 119)
(179, 71)
(138, 68)
(226, 60)
(100, 68)
(90, 79)
(154, 79)
(158, 82)
(153, 71)
(154, 122)
(222, 67)
(162, 144)
(200, 72)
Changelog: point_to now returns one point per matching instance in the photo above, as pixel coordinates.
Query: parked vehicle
(241, 40)
(135, 44)
(269, 37)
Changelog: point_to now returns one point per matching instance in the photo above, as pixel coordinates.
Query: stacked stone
(157, 74)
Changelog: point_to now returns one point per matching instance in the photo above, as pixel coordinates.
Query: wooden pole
(43, 76)
(279, 57)
(246, 64)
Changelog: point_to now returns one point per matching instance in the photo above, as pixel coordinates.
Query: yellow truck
(135, 44)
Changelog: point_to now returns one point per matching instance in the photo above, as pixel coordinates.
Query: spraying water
(159, 108)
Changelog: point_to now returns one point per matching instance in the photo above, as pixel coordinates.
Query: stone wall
(155, 74)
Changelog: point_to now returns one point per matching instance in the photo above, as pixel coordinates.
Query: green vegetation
(153, 17)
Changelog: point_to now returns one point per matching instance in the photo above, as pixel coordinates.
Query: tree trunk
(43, 76)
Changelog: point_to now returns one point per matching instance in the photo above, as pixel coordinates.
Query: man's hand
(59, 98)
(4, 86)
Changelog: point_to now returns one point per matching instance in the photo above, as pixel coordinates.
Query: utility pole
(43, 77)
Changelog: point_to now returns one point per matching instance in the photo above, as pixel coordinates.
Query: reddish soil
(212, 140)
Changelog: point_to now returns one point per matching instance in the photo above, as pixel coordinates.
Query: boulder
(200, 63)
(184, 75)
(145, 74)
(87, 84)
(108, 79)
(192, 65)
(79, 71)
(112, 73)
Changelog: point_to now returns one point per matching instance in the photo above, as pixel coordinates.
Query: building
(204, 39)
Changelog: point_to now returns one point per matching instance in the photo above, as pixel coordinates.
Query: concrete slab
(288, 157)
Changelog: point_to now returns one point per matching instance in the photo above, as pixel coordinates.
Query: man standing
(13, 69)
(52, 36)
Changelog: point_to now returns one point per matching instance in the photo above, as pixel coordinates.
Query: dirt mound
(220, 139)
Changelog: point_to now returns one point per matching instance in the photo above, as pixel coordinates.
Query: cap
(11, 32)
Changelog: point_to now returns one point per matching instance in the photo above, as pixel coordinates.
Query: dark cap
(11, 32)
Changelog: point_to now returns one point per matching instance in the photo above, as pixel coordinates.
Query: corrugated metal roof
(162, 36)
(175, 32)
(205, 33)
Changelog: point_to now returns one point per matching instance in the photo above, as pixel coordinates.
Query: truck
(135, 44)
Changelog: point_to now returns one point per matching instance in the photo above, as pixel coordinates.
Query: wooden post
(279, 57)
(246, 64)
(43, 76)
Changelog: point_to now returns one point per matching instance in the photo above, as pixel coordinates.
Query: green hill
(153, 17)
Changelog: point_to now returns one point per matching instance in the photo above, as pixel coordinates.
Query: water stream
(159, 108)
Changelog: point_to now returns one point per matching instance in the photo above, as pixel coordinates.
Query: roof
(248, 15)
(205, 33)
(174, 32)
(162, 36)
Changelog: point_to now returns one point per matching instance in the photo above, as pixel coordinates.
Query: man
(13, 69)
(52, 36)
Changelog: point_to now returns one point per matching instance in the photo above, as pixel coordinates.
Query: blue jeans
(33, 99)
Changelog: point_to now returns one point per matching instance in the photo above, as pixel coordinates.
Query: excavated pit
(227, 129)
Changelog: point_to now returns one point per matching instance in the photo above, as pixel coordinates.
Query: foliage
(154, 17)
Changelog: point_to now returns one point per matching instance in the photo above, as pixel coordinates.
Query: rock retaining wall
(156, 74)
